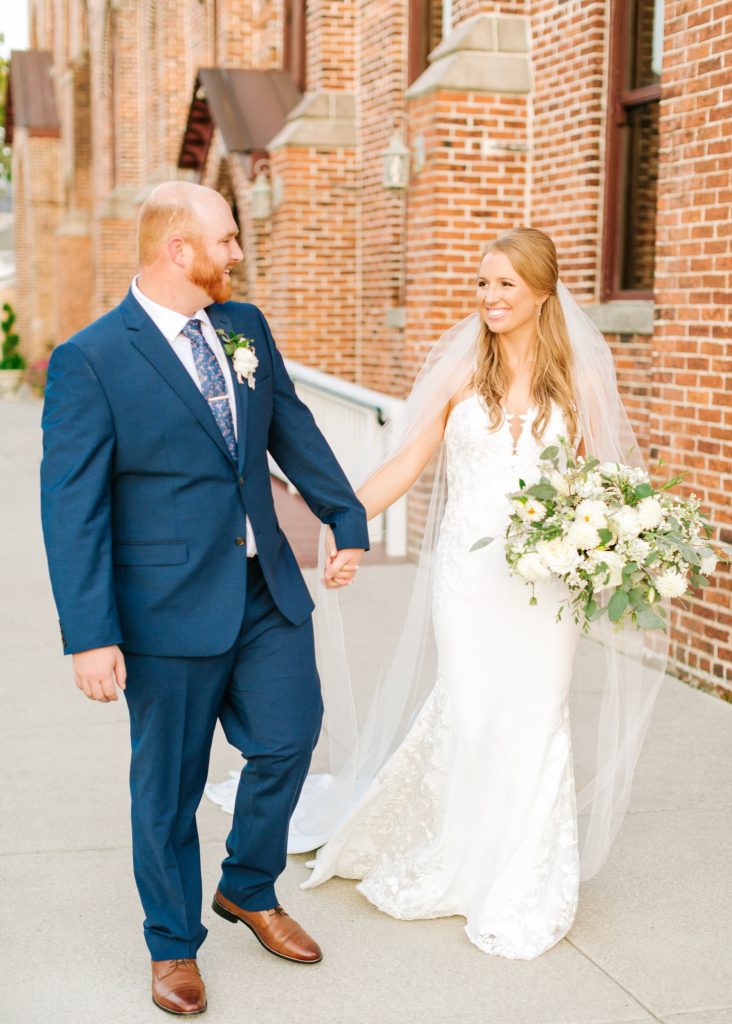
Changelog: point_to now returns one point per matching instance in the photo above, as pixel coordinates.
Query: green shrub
(10, 359)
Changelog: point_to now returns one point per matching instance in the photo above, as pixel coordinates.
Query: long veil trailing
(616, 675)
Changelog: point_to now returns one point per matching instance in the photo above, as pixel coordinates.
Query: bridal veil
(616, 676)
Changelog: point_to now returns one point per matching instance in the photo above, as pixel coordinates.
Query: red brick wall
(692, 366)
(461, 200)
(331, 44)
(311, 245)
(38, 200)
(380, 251)
(568, 44)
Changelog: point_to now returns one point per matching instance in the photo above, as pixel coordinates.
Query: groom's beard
(208, 277)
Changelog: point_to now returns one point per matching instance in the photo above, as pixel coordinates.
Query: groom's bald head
(175, 208)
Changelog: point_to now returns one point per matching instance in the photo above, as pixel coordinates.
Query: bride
(463, 801)
(474, 813)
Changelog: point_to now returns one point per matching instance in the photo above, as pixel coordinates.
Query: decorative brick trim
(323, 119)
(487, 53)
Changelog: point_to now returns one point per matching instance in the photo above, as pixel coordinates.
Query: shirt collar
(169, 322)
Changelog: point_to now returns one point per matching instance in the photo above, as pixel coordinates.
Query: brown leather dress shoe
(275, 929)
(177, 987)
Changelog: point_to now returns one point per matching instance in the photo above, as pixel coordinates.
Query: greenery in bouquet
(619, 544)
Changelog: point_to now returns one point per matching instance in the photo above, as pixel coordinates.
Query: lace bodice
(484, 466)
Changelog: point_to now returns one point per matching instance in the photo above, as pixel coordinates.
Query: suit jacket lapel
(241, 391)
(148, 340)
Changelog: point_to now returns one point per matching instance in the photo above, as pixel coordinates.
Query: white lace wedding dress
(474, 814)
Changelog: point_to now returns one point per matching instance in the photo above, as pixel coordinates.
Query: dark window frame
(294, 49)
(420, 32)
(622, 100)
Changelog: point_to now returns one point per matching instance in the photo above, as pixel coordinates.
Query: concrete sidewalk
(651, 941)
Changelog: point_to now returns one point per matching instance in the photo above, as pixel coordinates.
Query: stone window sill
(622, 317)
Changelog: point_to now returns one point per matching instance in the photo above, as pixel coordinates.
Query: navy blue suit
(144, 513)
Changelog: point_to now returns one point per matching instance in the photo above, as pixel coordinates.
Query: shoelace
(179, 962)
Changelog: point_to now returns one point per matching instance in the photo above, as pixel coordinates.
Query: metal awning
(31, 99)
(247, 106)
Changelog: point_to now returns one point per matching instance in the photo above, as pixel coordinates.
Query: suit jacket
(143, 507)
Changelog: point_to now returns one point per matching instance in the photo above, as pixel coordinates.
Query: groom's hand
(97, 671)
(341, 567)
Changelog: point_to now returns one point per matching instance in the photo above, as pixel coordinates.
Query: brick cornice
(323, 119)
(487, 53)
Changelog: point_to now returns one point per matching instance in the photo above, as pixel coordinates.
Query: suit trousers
(266, 693)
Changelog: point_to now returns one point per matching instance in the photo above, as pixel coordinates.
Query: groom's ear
(178, 250)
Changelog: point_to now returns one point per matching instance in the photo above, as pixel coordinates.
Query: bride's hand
(340, 566)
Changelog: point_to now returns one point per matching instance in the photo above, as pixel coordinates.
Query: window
(633, 149)
(428, 21)
(294, 48)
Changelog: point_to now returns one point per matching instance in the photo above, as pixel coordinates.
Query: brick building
(607, 123)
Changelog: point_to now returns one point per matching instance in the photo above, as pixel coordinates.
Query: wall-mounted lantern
(261, 195)
(396, 163)
(266, 194)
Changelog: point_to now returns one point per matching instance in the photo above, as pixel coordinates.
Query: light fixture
(261, 197)
(396, 163)
(266, 194)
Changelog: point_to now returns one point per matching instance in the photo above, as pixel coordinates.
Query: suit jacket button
(240, 542)
(241, 480)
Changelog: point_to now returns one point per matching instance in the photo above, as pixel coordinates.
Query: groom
(173, 580)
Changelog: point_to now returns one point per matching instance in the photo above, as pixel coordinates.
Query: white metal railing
(351, 418)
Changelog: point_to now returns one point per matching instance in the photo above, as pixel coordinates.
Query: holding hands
(340, 566)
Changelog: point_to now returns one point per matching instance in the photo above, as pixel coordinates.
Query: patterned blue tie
(213, 383)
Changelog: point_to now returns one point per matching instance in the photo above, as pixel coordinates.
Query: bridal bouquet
(617, 542)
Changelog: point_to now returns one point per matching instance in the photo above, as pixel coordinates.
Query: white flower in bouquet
(532, 511)
(617, 470)
(593, 512)
(588, 485)
(708, 564)
(559, 482)
(583, 535)
(616, 541)
(627, 522)
(560, 556)
(638, 549)
(671, 583)
(650, 513)
(613, 575)
(532, 567)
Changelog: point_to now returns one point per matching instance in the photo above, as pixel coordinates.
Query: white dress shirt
(170, 324)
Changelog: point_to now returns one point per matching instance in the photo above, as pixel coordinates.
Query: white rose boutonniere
(242, 354)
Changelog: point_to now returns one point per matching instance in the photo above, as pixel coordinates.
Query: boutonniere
(242, 354)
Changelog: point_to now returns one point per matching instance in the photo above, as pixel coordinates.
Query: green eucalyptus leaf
(549, 453)
(605, 535)
(698, 581)
(544, 492)
(643, 490)
(617, 605)
(646, 618)
(482, 543)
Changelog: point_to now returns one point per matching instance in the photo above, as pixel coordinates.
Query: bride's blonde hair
(534, 258)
